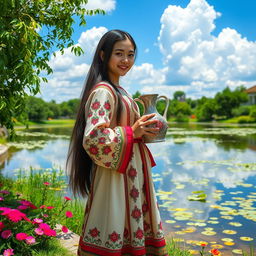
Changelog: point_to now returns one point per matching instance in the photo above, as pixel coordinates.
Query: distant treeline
(224, 105)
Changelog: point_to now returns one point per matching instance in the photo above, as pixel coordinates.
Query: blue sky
(198, 46)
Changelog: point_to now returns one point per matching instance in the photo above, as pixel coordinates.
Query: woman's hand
(140, 126)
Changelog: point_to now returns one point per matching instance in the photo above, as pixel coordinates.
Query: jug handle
(142, 103)
(167, 105)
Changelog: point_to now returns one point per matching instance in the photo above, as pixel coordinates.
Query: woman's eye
(131, 55)
(118, 54)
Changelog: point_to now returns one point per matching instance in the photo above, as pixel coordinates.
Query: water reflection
(218, 161)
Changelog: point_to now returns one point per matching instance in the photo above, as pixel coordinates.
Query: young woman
(109, 162)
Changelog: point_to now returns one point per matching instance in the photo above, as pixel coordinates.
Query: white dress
(121, 216)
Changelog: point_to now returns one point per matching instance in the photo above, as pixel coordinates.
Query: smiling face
(121, 60)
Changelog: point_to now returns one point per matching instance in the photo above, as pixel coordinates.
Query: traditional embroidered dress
(121, 216)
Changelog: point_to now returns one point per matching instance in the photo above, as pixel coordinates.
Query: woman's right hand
(140, 126)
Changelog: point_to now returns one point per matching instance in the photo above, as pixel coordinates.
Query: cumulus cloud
(194, 57)
(106, 5)
(69, 71)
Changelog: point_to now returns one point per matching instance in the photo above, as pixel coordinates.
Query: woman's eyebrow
(122, 50)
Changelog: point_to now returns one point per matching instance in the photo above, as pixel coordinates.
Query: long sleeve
(107, 147)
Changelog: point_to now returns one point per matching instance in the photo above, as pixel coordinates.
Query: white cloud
(194, 57)
(69, 71)
(106, 5)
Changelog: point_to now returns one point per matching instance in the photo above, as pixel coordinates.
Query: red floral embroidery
(115, 140)
(105, 131)
(136, 213)
(93, 134)
(126, 233)
(139, 233)
(107, 164)
(107, 105)
(146, 226)
(106, 150)
(90, 114)
(144, 208)
(132, 173)
(101, 112)
(94, 232)
(93, 150)
(95, 105)
(102, 140)
(95, 120)
(114, 236)
(134, 193)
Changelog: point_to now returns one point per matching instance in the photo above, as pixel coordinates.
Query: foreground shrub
(26, 227)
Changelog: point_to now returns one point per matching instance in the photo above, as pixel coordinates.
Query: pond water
(205, 180)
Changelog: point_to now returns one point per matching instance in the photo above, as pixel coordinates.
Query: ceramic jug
(148, 102)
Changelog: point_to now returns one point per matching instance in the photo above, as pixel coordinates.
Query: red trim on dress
(127, 149)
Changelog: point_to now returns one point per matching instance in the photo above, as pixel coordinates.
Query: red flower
(90, 114)
(144, 208)
(64, 229)
(132, 173)
(6, 234)
(46, 183)
(107, 105)
(8, 252)
(69, 214)
(95, 105)
(93, 133)
(101, 112)
(102, 140)
(67, 198)
(106, 150)
(1, 226)
(94, 150)
(49, 207)
(136, 213)
(134, 193)
(95, 120)
(94, 232)
(49, 232)
(107, 164)
(114, 237)
(203, 245)
(146, 226)
(215, 252)
(126, 233)
(139, 233)
(13, 214)
(21, 236)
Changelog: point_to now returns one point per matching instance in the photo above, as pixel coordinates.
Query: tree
(179, 95)
(228, 100)
(206, 110)
(36, 108)
(30, 32)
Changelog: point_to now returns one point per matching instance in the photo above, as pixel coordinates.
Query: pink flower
(30, 240)
(67, 198)
(50, 232)
(8, 252)
(6, 192)
(38, 221)
(49, 207)
(44, 226)
(1, 226)
(46, 183)
(1, 198)
(28, 204)
(6, 234)
(42, 206)
(64, 229)
(22, 207)
(39, 231)
(13, 214)
(21, 236)
(69, 214)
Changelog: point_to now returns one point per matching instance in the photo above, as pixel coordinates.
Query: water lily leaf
(227, 239)
(235, 224)
(237, 251)
(229, 232)
(209, 233)
(245, 238)
(217, 246)
(229, 243)
(170, 221)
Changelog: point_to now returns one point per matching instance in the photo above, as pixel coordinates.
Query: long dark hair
(79, 163)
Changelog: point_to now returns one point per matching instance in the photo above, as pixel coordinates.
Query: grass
(174, 249)
(55, 248)
(45, 123)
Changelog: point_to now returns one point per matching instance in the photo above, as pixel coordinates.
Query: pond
(204, 180)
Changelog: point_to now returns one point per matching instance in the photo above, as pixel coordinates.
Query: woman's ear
(102, 55)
